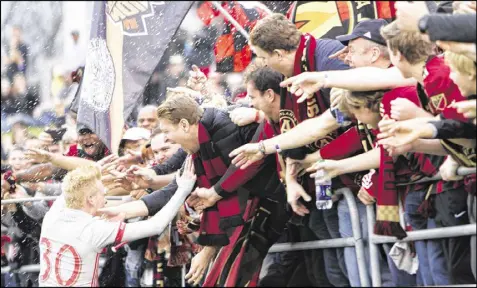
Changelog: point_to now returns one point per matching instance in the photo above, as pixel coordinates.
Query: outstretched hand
(246, 155)
(294, 192)
(305, 84)
(38, 156)
(188, 177)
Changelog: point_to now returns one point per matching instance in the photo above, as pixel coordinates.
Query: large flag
(128, 39)
(328, 19)
(232, 52)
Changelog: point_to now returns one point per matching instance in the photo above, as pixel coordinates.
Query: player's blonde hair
(79, 184)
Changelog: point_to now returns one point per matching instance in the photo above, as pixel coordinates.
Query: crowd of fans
(394, 97)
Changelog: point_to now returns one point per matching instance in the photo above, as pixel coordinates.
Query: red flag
(232, 52)
(328, 19)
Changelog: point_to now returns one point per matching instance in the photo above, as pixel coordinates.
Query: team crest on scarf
(289, 120)
(367, 179)
(320, 143)
(131, 15)
(439, 102)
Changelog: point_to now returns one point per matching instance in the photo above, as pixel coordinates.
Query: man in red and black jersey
(437, 92)
(279, 44)
(366, 49)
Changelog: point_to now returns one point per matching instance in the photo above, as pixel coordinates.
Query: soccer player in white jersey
(72, 238)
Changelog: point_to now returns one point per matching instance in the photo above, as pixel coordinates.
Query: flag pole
(231, 19)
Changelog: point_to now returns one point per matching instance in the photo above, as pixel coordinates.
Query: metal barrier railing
(356, 240)
(435, 233)
(49, 198)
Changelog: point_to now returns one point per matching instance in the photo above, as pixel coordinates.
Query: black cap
(83, 129)
(367, 29)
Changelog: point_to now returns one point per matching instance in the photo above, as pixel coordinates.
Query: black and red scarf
(209, 168)
(292, 113)
(390, 173)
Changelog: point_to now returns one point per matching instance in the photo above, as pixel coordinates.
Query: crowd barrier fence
(356, 240)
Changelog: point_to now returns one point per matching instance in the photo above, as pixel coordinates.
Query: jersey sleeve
(103, 233)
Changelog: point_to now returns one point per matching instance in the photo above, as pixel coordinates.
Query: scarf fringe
(426, 209)
(213, 240)
(229, 222)
(388, 228)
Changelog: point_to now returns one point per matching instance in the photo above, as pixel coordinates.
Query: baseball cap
(136, 133)
(367, 29)
(83, 129)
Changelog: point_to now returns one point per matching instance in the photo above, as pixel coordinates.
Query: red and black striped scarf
(387, 196)
(293, 113)
(209, 168)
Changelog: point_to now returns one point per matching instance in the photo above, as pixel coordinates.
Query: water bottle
(340, 117)
(323, 191)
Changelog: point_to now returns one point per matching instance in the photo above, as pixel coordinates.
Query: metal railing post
(358, 239)
(183, 273)
(373, 249)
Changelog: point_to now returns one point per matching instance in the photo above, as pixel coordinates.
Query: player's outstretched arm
(156, 224)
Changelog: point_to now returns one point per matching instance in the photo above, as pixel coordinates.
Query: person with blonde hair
(209, 135)
(72, 239)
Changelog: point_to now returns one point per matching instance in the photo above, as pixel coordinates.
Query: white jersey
(70, 244)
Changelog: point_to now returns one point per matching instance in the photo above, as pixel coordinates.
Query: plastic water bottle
(341, 118)
(323, 191)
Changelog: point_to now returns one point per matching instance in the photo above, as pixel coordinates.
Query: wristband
(261, 148)
(257, 116)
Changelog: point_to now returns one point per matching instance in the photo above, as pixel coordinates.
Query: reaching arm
(368, 79)
(234, 178)
(131, 210)
(158, 222)
(40, 172)
(361, 162)
(159, 181)
(65, 162)
(69, 163)
(358, 79)
(429, 146)
(303, 134)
